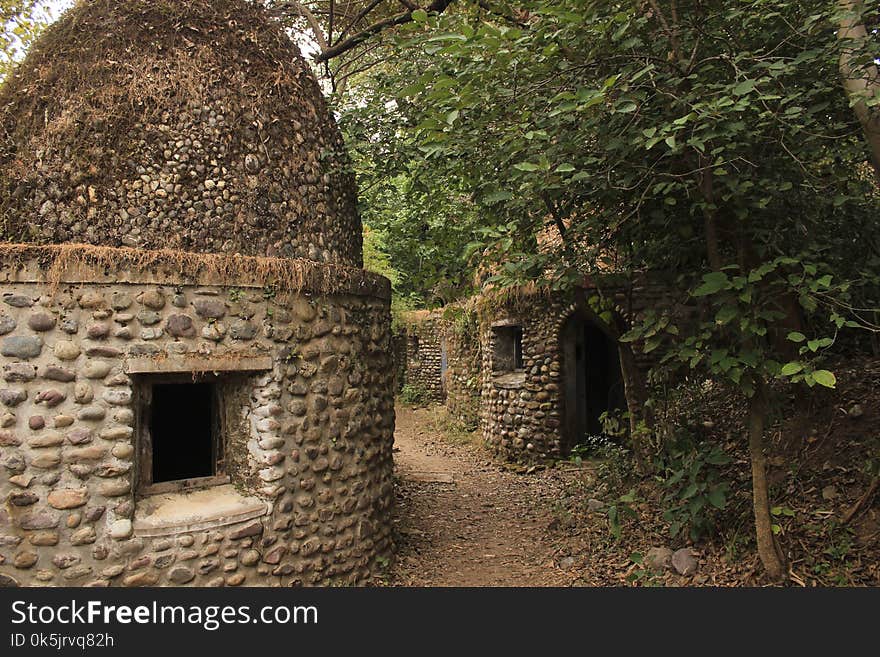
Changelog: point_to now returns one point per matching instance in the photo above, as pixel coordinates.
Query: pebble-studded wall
(439, 354)
(521, 411)
(423, 344)
(308, 442)
(185, 124)
(521, 406)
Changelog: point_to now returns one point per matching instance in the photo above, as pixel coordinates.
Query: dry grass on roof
(67, 262)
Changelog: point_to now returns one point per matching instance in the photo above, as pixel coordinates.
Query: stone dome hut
(195, 372)
(174, 124)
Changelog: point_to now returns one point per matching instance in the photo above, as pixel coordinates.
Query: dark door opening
(593, 383)
(183, 429)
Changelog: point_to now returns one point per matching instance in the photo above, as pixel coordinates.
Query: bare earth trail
(465, 521)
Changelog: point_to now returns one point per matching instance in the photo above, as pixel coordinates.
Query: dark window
(182, 428)
(507, 351)
(181, 435)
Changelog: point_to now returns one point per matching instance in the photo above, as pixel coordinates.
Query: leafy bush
(413, 395)
(695, 489)
(597, 446)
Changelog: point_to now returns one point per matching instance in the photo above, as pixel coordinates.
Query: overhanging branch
(437, 6)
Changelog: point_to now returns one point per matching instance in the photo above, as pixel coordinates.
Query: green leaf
(412, 90)
(717, 498)
(794, 336)
(726, 314)
(526, 166)
(792, 368)
(420, 16)
(825, 378)
(631, 336)
(744, 87)
(565, 168)
(495, 197)
(689, 492)
(712, 283)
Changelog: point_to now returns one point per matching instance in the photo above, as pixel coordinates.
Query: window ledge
(196, 363)
(180, 513)
(510, 380)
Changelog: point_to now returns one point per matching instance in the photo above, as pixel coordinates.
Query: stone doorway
(592, 380)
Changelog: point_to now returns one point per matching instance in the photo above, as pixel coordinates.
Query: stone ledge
(506, 323)
(187, 364)
(510, 380)
(180, 513)
(77, 264)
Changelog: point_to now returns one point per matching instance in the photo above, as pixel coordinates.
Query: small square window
(507, 354)
(181, 434)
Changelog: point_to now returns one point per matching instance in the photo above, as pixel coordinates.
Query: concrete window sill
(167, 514)
(510, 380)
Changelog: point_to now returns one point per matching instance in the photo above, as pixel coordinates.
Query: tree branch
(671, 31)
(859, 81)
(360, 16)
(315, 26)
(437, 6)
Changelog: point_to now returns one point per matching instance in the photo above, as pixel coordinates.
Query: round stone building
(195, 371)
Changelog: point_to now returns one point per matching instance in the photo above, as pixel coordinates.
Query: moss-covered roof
(186, 124)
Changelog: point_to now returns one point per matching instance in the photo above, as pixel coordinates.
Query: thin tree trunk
(860, 81)
(636, 394)
(768, 549)
(710, 221)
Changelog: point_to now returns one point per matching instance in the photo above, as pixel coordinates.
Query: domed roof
(186, 124)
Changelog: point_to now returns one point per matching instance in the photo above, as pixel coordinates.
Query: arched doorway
(592, 381)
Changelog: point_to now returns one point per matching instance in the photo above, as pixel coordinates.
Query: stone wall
(428, 337)
(309, 459)
(192, 125)
(398, 347)
(519, 411)
(460, 332)
(520, 414)
(424, 357)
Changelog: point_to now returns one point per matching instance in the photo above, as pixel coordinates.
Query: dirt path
(463, 520)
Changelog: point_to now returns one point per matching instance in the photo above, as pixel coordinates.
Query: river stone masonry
(439, 353)
(310, 448)
(207, 133)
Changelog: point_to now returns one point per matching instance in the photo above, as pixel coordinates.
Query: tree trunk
(860, 80)
(768, 549)
(636, 397)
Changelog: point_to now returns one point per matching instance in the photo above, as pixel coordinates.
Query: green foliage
(740, 311)
(600, 446)
(21, 21)
(376, 258)
(619, 510)
(602, 125)
(413, 395)
(422, 229)
(695, 489)
(465, 323)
